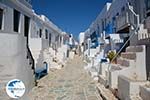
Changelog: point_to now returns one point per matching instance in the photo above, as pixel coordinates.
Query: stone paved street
(70, 83)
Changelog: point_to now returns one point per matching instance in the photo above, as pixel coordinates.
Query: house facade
(29, 42)
(123, 27)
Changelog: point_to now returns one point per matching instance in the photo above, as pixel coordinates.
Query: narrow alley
(75, 50)
(70, 83)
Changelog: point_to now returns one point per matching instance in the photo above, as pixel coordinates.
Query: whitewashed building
(29, 42)
(125, 21)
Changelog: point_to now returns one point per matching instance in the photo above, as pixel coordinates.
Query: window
(103, 25)
(122, 9)
(26, 27)
(1, 18)
(40, 34)
(16, 20)
(46, 34)
(148, 7)
(117, 14)
(147, 4)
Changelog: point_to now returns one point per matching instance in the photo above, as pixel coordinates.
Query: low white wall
(13, 59)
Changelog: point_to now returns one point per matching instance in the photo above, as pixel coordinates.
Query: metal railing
(136, 29)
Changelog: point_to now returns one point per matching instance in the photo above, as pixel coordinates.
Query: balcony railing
(122, 21)
(127, 19)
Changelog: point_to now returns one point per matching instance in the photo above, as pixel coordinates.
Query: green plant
(111, 55)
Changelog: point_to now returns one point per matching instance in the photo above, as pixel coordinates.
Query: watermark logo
(15, 88)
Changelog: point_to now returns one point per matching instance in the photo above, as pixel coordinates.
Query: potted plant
(111, 54)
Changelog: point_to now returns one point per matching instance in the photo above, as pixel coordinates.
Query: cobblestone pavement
(70, 83)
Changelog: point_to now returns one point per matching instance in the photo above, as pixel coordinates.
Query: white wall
(13, 59)
(81, 37)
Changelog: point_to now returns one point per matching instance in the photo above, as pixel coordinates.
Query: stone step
(106, 94)
(115, 71)
(125, 62)
(134, 49)
(128, 55)
(115, 67)
(128, 88)
(102, 80)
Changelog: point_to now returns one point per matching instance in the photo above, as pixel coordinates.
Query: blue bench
(104, 60)
(41, 72)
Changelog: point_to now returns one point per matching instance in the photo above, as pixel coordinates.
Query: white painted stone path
(70, 83)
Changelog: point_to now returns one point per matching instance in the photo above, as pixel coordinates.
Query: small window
(117, 14)
(16, 20)
(1, 18)
(49, 39)
(122, 9)
(46, 34)
(147, 4)
(103, 25)
(40, 34)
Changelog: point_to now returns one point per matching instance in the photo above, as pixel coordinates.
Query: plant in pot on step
(111, 54)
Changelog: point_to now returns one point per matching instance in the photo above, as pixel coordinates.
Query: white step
(126, 62)
(128, 55)
(134, 49)
(115, 72)
(129, 88)
(115, 67)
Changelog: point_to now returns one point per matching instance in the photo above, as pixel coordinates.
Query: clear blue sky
(72, 16)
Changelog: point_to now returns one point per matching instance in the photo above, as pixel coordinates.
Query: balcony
(148, 8)
(123, 23)
(127, 19)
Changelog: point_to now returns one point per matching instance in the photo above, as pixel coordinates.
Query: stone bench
(40, 72)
